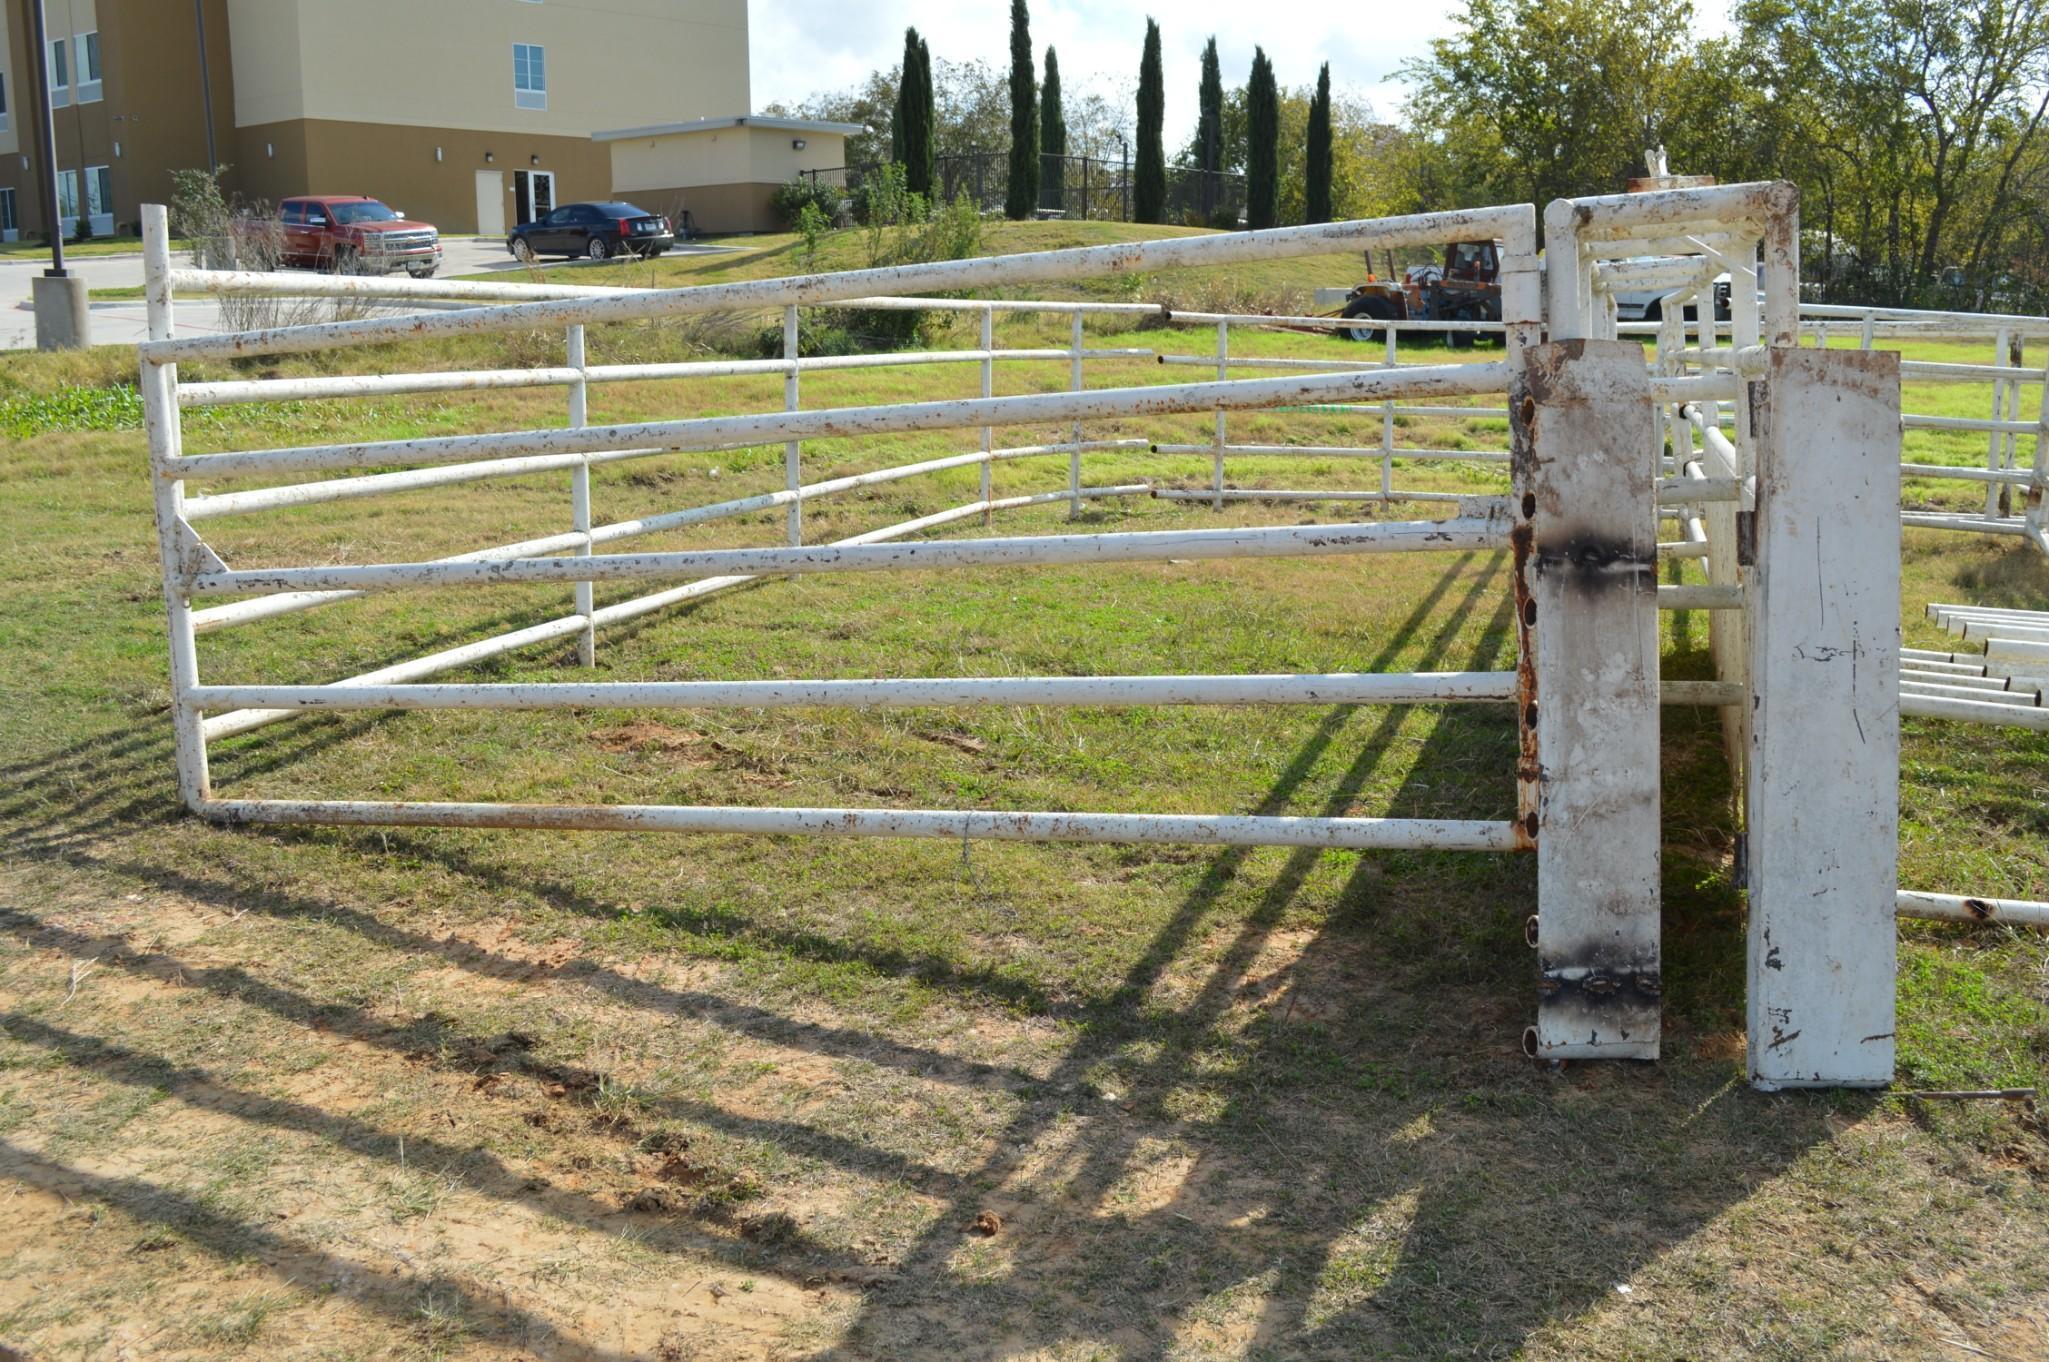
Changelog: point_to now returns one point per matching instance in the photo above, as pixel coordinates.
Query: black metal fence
(1069, 187)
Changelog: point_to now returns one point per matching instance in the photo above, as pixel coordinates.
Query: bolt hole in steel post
(1580, 542)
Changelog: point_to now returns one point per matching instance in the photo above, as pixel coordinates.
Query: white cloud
(800, 47)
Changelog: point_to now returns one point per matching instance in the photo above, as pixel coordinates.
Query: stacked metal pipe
(2005, 681)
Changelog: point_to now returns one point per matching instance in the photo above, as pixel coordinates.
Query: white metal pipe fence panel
(1601, 446)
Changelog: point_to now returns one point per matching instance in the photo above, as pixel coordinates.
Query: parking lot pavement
(125, 321)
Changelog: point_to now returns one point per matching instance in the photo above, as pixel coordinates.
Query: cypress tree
(1149, 185)
(1052, 137)
(1023, 197)
(1316, 191)
(1209, 131)
(922, 172)
(1262, 136)
(906, 80)
(911, 123)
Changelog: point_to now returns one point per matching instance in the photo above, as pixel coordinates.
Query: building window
(67, 197)
(88, 50)
(60, 74)
(9, 229)
(529, 76)
(99, 191)
(3, 101)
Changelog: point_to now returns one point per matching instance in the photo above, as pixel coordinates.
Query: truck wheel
(1375, 308)
(598, 249)
(345, 260)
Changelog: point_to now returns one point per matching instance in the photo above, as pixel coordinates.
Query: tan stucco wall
(715, 209)
(722, 156)
(149, 119)
(397, 165)
(448, 63)
(724, 176)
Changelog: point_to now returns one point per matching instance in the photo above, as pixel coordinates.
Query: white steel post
(1587, 546)
(988, 390)
(1387, 425)
(1823, 607)
(2037, 527)
(580, 497)
(1744, 332)
(2000, 412)
(793, 451)
(161, 425)
(1216, 480)
(1074, 382)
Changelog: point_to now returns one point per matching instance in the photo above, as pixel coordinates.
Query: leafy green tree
(1149, 182)
(1538, 99)
(1023, 195)
(1262, 150)
(1052, 137)
(1208, 150)
(1316, 190)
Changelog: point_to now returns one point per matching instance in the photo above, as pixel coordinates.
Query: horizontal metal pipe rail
(217, 617)
(1293, 541)
(384, 484)
(1358, 834)
(378, 385)
(247, 720)
(1515, 224)
(1352, 688)
(776, 427)
(1342, 452)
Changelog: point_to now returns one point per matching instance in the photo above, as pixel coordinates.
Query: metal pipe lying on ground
(1973, 711)
(1962, 908)
(1997, 695)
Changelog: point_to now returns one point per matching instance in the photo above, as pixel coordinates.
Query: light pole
(63, 316)
(46, 132)
(213, 160)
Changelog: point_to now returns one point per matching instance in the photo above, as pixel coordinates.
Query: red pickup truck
(353, 235)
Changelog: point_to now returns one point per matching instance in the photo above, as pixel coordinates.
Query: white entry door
(533, 193)
(490, 203)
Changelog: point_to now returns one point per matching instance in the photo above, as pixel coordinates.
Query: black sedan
(598, 231)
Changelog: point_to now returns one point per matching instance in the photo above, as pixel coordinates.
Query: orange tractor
(1465, 288)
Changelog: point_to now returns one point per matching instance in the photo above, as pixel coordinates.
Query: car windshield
(349, 213)
(622, 210)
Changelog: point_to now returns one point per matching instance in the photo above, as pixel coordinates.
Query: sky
(800, 47)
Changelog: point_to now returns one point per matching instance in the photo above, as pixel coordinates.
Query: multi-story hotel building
(471, 114)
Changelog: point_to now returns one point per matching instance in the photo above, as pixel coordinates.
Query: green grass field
(357, 1094)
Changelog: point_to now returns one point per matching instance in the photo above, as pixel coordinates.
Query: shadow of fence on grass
(1357, 1160)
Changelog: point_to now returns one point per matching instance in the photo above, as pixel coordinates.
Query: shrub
(811, 225)
(789, 201)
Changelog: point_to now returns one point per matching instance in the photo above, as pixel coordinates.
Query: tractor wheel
(1376, 309)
